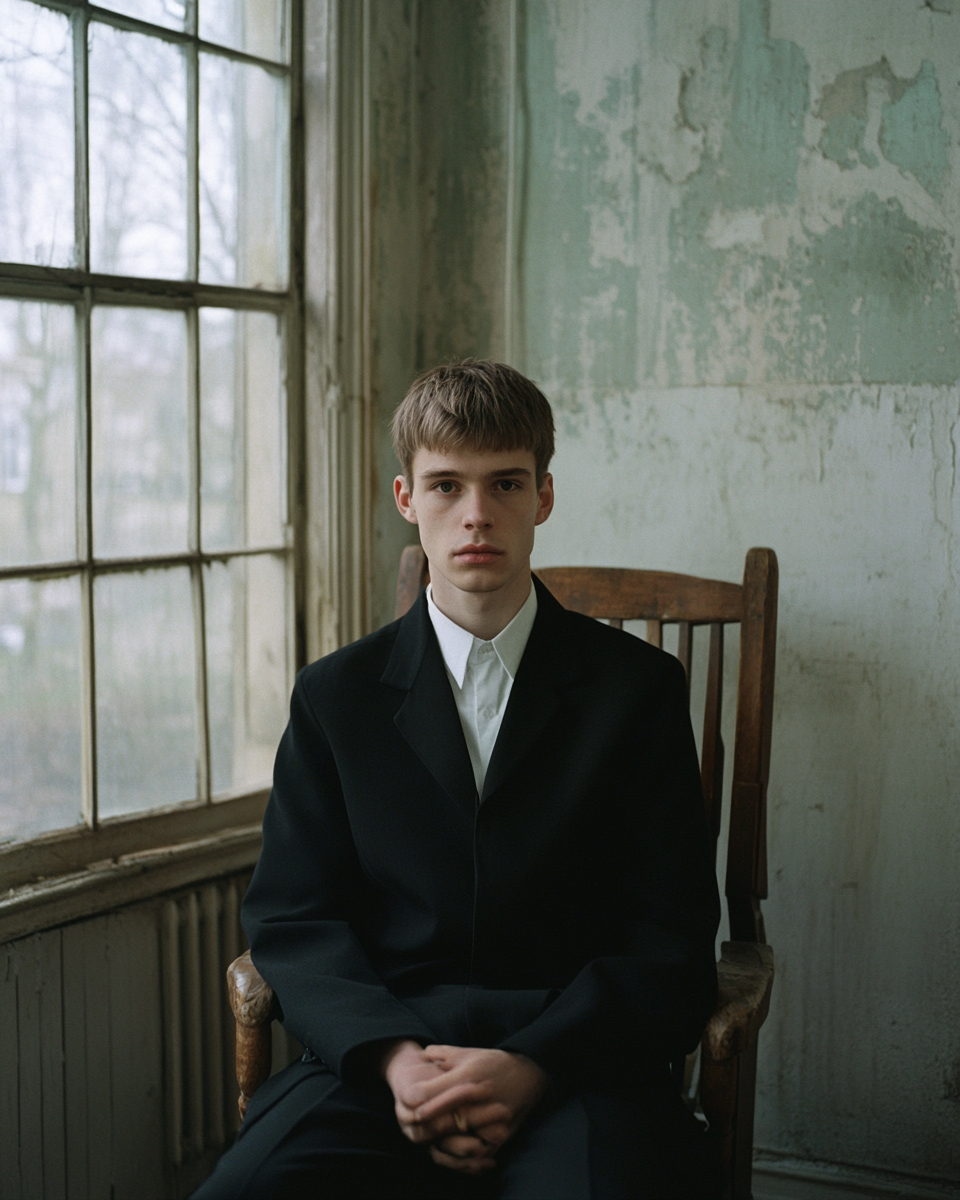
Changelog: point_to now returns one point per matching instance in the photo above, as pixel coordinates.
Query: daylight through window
(146, 554)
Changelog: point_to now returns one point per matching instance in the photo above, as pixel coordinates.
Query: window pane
(160, 12)
(146, 690)
(241, 430)
(256, 26)
(243, 172)
(138, 169)
(38, 401)
(36, 136)
(40, 741)
(246, 620)
(140, 445)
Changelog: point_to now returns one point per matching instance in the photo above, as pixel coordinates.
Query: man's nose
(477, 514)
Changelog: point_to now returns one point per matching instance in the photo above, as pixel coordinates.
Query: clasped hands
(464, 1103)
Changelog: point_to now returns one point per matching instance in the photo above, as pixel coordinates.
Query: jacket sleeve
(647, 1005)
(297, 910)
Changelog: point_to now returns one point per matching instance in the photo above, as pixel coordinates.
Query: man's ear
(404, 498)
(544, 499)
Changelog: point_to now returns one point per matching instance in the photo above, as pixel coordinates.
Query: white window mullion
(81, 140)
(85, 550)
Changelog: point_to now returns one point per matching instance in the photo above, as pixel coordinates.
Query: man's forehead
(480, 463)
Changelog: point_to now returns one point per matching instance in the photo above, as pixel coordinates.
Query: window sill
(75, 873)
(114, 882)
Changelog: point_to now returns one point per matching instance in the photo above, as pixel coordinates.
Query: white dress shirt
(481, 675)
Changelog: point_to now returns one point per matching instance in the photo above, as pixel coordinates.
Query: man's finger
(462, 1145)
(495, 1134)
(453, 1098)
(468, 1165)
(493, 1112)
(415, 1094)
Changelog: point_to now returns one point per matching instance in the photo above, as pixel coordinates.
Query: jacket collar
(428, 717)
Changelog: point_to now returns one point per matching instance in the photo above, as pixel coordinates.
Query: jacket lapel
(548, 666)
(428, 717)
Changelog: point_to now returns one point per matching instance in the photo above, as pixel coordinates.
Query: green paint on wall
(754, 92)
(580, 304)
(843, 106)
(842, 141)
(873, 298)
(877, 300)
(769, 97)
(911, 135)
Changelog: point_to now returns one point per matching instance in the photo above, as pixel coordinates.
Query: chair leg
(743, 1125)
(727, 1097)
(718, 1099)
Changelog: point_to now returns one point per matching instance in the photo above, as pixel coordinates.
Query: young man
(485, 900)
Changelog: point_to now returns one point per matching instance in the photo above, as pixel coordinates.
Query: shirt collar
(456, 642)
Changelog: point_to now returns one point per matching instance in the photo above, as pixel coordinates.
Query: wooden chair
(728, 1051)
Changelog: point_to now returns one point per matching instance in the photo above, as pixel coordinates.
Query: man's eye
(508, 485)
(445, 486)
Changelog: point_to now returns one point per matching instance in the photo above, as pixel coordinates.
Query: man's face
(477, 510)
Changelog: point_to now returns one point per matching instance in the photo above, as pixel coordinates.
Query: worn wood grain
(9, 1072)
(411, 579)
(192, 1019)
(745, 980)
(254, 1060)
(746, 881)
(98, 1060)
(131, 878)
(212, 1022)
(251, 997)
(634, 595)
(254, 1006)
(173, 1028)
(51, 1063)
(136, 1054)
(75, 1061)
(230, 949)
(712, 749)
(64, 852)
(685, 650)
(31, 1097)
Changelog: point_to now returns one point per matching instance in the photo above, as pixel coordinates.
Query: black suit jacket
(568, 913)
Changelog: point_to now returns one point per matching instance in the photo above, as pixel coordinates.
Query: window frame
(89, 867)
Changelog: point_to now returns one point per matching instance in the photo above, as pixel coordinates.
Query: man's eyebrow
(439, 474)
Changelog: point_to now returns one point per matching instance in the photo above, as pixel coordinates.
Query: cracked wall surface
(738, 231)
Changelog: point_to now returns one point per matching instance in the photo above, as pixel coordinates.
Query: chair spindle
(685, 649)
(711, 758)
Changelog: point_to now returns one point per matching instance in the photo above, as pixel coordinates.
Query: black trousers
(309, 1135)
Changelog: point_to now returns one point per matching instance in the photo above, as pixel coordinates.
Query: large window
(146, 552)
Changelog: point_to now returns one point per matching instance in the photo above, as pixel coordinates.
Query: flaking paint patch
(912, 136)
(698, 258)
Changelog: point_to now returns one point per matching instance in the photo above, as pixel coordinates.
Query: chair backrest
(663, 598)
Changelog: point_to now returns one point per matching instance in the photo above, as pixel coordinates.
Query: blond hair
(477, 404)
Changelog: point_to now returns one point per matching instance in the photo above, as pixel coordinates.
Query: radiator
(200, 937)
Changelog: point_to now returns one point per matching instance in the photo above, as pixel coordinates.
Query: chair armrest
(254, 1006)
(745, 978)
(251, 997)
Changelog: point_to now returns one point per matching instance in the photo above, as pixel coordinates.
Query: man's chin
(477, 579)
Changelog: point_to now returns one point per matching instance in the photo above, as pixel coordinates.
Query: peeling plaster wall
(738, 271)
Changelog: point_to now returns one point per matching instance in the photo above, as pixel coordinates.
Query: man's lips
(477, 555)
